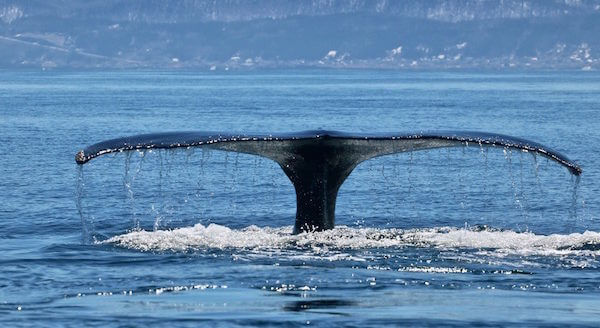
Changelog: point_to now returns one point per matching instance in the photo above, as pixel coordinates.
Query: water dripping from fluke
(79, 190)
(316, 162)
(574, 194)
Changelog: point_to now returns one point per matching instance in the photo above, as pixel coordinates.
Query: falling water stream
(207, 180)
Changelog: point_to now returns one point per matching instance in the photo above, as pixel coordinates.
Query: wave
(214, 236)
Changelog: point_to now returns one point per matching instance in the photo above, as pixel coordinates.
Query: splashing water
(215, 236)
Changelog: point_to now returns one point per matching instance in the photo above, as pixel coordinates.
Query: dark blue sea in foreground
(466, 236)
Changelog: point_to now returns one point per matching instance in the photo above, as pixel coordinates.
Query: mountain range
(246, 34)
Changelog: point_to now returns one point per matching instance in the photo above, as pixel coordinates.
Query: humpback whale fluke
(318, 162)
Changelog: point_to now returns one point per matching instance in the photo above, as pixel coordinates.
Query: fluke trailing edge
(318, 162)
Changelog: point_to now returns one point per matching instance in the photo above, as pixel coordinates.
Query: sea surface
(466, 236)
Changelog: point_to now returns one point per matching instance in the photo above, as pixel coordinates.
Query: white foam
(433, 269)
(331, 242)
(506, 240)
(200, 236)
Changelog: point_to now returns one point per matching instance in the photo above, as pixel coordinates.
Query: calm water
(453, 237)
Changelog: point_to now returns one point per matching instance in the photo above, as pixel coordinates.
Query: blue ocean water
(466, 236)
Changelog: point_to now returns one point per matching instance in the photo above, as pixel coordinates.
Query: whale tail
(318, 162)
